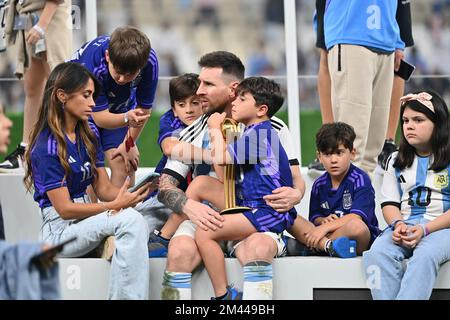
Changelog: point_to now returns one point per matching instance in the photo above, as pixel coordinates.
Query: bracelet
(425, 229)
(39, 30)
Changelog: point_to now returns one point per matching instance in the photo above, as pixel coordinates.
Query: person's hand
(137, 117)
(215, 120)
(398, 57)
(131, 158)
(329, 219)
(314, 236)
(399, 231)
(33, 35)
(202, 215)
(126, 199)
(283, 199)
(412, 237)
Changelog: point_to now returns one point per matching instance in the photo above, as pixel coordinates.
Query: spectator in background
(361, 63)
(42, 40)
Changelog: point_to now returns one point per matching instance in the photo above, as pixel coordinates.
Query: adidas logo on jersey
(325, 205)
(72, 160)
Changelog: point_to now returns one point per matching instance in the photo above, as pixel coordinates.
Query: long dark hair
(440, 143)
(69, 77)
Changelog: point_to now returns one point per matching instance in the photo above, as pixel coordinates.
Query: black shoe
(315, 169)
(296, 248)
(14, 161)
(388, 148)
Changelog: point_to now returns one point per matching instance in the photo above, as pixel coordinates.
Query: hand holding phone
(152, 178)
(405, 70)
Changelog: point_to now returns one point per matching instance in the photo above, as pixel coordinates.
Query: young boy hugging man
(262, 166)
(186, 107)
(342, 204)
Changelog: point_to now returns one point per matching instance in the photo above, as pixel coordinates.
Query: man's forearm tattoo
(169, 194)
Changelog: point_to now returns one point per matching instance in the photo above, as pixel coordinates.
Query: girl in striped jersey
(64, 158)
(415, 204)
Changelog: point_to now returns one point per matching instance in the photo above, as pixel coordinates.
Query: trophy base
(235, 210)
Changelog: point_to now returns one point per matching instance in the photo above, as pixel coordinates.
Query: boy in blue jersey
(263, 166)
(127, 68)
(186, 107)
(342, 204)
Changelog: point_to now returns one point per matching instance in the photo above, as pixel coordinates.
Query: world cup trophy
(230, 129)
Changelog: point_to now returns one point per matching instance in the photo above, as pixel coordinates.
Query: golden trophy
(230, 130)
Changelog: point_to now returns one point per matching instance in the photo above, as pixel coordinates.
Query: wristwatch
(125, 117)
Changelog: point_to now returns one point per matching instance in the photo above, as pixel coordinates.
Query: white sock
(176, 286)
(258, 281)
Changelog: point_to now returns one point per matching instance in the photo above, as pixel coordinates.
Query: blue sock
(258, 281)
(176, 286)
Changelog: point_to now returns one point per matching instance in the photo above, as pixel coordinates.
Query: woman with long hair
(63, 159)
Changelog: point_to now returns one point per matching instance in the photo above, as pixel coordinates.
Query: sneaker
(232, 294)
(342, 247)
(157, 245)
(14, 161)
(388, 148)
(315, 169)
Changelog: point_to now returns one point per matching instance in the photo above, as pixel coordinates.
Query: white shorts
(186, 228)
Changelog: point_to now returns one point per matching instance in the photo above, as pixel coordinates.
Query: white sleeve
(390, 189)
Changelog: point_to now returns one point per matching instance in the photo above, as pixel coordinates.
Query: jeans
(154, 212)
(384, 265)
(129, 275)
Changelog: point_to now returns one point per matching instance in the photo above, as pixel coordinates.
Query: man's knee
(182, 254)
(259, 247)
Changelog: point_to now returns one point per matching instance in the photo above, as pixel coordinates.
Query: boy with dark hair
(127, 67)
(342, 204)
(263, 166)
(186, 107)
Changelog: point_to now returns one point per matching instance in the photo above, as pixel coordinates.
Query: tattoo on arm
(170, 195)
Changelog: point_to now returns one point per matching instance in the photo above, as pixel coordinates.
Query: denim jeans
(154, 212)
(129, 274)
(384, 265)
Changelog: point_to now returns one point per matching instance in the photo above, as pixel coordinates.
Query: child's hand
(314, 236)
(412, 237)
(216, 119)
(399, 231)
(329, 219)
(137, 117)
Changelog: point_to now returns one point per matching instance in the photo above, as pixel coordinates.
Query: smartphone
(149, 178)
(44, 259)
(405, 70)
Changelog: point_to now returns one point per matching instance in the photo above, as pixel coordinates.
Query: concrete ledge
(295, 278)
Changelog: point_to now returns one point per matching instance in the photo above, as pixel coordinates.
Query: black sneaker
(14, 161)
(388, 148)
(315, 169)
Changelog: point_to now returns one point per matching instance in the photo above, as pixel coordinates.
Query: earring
(62, 105)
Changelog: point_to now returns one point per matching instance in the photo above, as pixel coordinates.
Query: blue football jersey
(354, 195)
(118, 98)
(48, 172)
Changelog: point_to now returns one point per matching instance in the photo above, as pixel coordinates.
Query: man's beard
(218, 108)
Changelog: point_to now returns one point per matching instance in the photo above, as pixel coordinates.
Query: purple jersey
(118, 98)
(263, 167)
(354, 195)
(48, 172)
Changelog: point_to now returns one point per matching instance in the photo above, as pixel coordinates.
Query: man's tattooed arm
(170, 195)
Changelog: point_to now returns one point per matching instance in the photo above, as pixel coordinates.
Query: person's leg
(422, 268)
(383, 265)
(357, 230)
(34, 83)
(324, 88)
(379, 117)
(235, 227)
(129, 275)
(351, 90)
(256, 254)
(182, 258)
(206, 188)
